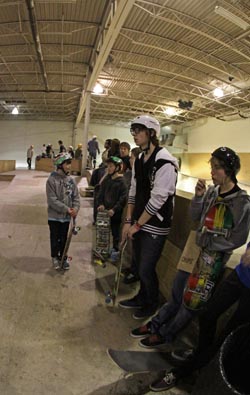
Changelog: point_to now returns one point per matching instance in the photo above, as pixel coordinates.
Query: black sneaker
(183, 355)
(143, 313)
(142, 331)
(130, 304)
(153, 341)
(130, 278)
(168, 381)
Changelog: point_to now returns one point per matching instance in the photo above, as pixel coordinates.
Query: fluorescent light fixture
(218, 92)
(170, 111)
(231, 17)
(98, 89)
(15, 111)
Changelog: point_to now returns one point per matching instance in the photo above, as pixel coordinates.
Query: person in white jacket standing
(150, 210)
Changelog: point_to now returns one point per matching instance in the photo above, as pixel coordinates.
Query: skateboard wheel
(108, 300)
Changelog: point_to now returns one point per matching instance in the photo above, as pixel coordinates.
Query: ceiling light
(231, 17)
(98, 89)
(15, 111)
(170, 111)
(218, 92)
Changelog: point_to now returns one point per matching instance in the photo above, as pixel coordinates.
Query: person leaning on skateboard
(63, 203)
(150, 210)
(234, 288)
(234, 209)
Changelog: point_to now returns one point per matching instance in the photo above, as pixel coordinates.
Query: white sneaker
(55, 263)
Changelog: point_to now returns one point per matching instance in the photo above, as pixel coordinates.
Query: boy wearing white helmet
(150, 210)
(63, 203)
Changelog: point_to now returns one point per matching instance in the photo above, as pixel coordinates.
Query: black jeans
(29, 162)
(147, 250)
(231, 290)
(58, 237)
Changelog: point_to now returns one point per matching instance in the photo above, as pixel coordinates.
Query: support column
(85, 133)
(74, 134)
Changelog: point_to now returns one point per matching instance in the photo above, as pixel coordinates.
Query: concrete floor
(55, 329)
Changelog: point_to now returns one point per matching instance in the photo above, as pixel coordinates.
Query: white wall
(16, 136)
(202, 136)
(207, 134)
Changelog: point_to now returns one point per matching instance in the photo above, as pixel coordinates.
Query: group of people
(223, 214)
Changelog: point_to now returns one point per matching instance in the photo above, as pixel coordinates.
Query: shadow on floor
(128, 385)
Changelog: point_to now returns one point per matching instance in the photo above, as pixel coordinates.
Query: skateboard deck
(140, 361)
(202, 282)
(73, 230)
(102, 245)
(111, 294)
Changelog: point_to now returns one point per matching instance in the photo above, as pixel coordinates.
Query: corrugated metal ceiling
(165, 51)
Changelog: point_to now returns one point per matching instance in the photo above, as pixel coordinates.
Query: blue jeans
(173, 316)
(147, 250)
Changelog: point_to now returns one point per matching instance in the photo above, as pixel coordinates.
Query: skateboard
(101, 251)
(202, 282)
(73, 230)
(111, 295)
(140, 361)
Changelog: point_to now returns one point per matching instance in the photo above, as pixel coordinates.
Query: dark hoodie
(113, 193)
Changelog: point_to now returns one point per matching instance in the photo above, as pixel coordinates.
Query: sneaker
(130, 278)
(55, 263)
(142, 331)
(168, 381)
(143, 313)
(130, 304)
(66, 264)
(153, 341)
(183, 355)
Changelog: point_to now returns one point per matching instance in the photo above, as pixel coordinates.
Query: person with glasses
(223, 214)
(149, 211)
(223, 211)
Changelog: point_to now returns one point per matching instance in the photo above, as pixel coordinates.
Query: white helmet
(149, 122)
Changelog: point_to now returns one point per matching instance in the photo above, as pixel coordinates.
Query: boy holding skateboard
(63, 203)
(113, 197)
(223, 213)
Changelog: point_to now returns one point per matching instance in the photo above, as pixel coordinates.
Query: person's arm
(245, 258)
(121, 202)
(197, 202)
(97, 147)
(75, 202)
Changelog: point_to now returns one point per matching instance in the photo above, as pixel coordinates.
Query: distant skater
(30, 153)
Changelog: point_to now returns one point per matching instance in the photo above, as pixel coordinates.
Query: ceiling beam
(120, 14)
(37, 42)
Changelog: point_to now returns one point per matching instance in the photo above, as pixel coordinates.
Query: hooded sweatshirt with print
(62, 193)
(238, 204)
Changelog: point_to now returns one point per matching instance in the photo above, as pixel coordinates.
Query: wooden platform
(7, 165)
(46, 164)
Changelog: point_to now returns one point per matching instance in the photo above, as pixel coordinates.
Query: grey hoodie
(62, 193)
(239, 205)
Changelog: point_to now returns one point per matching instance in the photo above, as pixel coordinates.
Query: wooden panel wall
(7, 165)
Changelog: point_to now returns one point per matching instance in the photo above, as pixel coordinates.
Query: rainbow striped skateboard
(202, 282)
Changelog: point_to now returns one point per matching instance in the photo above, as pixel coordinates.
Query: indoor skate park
(185, 63)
